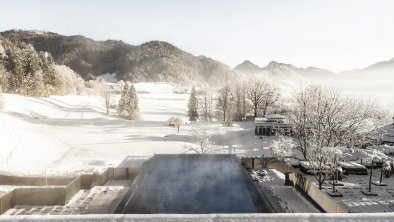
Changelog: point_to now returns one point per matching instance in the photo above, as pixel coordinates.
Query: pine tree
(128, 103)
(33, 79)
(1, 99)
(51, 80)
(193, 106)
(13, 65)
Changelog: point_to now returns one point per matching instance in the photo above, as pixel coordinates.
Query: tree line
(25, 71)
(234, 102)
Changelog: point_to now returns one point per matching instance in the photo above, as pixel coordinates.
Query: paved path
(294, 200)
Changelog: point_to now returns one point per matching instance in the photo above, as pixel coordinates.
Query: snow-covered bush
(124, 114)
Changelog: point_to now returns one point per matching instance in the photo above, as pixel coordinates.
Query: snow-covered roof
(351, 165)
(260, 120)
(274, 116)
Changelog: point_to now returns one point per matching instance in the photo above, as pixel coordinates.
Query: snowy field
(73, 134)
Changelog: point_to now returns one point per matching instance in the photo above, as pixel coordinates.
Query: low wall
(68, 187)
(72, 188)
(252, 162)
(91, 180)
(299, 180)
(6, 201)
(34, 181)
(39, 196)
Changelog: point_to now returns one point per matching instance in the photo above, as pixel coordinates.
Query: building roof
(274, 116)
(260, 120)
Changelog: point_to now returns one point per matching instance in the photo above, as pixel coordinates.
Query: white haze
(372, 87)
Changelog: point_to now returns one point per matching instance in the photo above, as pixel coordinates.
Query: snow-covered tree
(203, 138)
(107, 94)
(240, 103)
(51, 80)
(193, 106)
(33, 77)
(321, 161)
(324, 120)
(323, 117)
(270, 97)
(225, 102)
(128, 103)
(70, 82)
(205, 102)
(178, 122)
(3, 74)
(282, 147)
(1, 99)
(262, 95)
(13, 65)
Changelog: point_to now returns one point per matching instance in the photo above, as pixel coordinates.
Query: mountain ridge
(149, 61)
(283, 69)
(161, 61)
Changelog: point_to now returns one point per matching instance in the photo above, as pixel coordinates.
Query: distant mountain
(277, 69)
(150, 61)
(382, 66)
(382, 70)
(247, 67)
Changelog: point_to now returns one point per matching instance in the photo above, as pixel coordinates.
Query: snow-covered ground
(357, 202)
(71, 134)
(289, 198)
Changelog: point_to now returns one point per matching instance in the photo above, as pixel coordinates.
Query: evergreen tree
(51, 80)
(128, 103)
(1, 99)
(33, 79)
(193, 106)
(13, 65)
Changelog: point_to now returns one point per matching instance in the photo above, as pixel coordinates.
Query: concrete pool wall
(193, 183)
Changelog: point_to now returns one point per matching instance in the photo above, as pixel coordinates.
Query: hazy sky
(335, 34)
